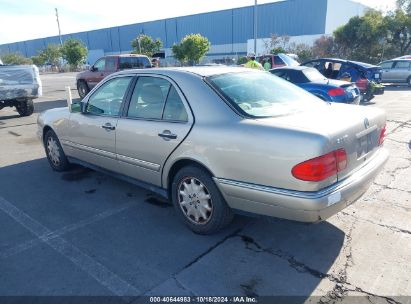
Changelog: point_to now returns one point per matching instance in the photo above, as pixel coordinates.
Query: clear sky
(30, 19)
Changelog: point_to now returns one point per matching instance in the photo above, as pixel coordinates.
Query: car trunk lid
(355, 129)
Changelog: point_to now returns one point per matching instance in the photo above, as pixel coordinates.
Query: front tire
(198, 202)
(55, 154)
(82, 89)
(25, 107)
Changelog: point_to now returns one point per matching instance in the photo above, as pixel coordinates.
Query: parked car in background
(19, 85)
(107, 65)
(274, 61)
(217, 139)
(314, 82)
(396, 71)
(364, 75)
(403, 57)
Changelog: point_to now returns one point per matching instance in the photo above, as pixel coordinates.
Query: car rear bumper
(299, 205)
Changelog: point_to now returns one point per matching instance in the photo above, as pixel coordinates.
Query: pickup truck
(19, 85)
(107, 65)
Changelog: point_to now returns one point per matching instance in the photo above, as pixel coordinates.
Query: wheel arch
(46, 128)
(178, 165)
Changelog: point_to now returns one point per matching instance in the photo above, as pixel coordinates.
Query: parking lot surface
(85, 233)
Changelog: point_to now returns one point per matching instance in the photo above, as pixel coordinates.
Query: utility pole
(58, 25)
(255, 27)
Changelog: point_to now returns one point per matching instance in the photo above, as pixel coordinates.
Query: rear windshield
(313, 74)
(261, 94)
(134, 63)
(11, 76)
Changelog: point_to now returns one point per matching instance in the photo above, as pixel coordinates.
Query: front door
(97, 73)
(156, 121)
(387, 71)
(93, 133)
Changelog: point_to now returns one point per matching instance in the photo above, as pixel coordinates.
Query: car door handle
(167, 135)
(108, 126)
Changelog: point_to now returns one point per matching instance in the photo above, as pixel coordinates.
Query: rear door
(387, 70)
(155, 121)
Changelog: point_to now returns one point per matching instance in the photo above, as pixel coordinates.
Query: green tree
(38, 60)
(360, 38)
(191, 49)
(405, 5)
(397, 26)
(15, 59)
(74, 52)
(145, 45)
(51, 54)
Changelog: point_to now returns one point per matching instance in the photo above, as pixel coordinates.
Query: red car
(107, 65)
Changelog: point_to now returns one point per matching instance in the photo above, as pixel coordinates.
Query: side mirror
(76, 107)
(93, 68)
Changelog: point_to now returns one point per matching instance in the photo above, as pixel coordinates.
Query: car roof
(359, 63)
(296, 68)
(126, 55)
(203, 71)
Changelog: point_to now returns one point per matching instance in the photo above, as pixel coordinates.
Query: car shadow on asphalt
(143, 242)
(47, 105)
(397, 88)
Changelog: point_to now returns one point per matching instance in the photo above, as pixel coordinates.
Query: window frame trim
(187, 107)
(101, 85)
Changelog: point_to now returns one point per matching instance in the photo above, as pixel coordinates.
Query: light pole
(58, 25)
(255, 27)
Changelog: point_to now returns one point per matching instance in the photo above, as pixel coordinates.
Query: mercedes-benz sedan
(214, 140)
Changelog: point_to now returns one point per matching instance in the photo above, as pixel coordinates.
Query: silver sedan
(214, 140)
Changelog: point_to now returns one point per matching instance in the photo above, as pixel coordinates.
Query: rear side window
(134, 63)
(148, 98)
(111, 63)
(156, 98)
(402, 65)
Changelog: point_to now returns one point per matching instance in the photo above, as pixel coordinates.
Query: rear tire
(25, 107)
(198, 202)
(55, 154)
(409, 81)
(82, 88)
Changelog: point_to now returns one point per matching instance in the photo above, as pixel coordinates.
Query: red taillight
(336, 92)
(382, 135)
(322, 167)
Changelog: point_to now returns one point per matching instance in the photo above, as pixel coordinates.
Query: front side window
(386, 65)
(261, 94)
(100, 64)
(108, 98)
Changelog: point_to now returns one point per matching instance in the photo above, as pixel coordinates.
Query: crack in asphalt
(402, 125)
(22, 125)
(342, 286)
(230, 236)
(393, 228)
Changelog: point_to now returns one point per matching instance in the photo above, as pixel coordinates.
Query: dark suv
(362, 74)
(107, 65)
